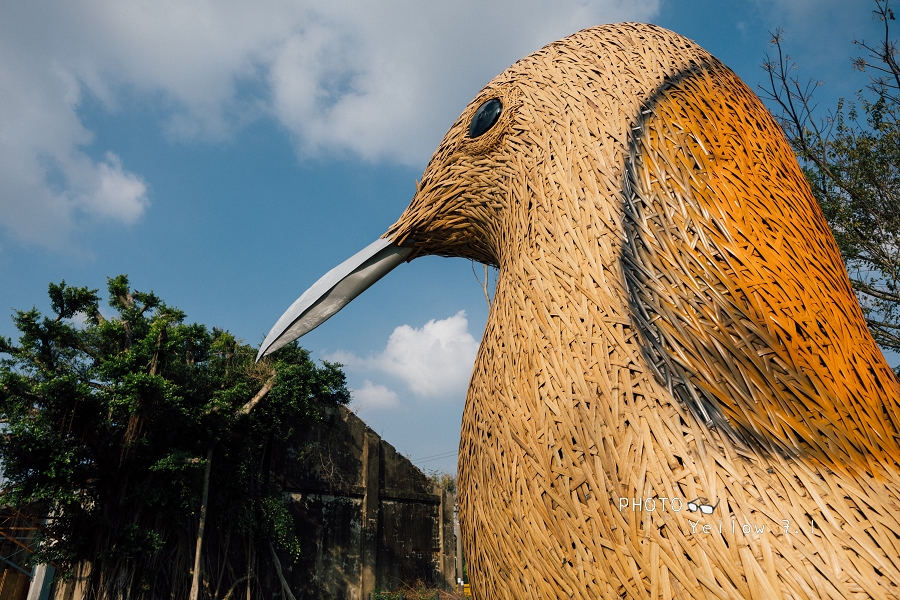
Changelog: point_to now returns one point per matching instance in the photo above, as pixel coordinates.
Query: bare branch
(266, 388)
(863, 287)
(284, 583)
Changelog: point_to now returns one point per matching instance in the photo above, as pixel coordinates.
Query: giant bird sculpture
(676, 395)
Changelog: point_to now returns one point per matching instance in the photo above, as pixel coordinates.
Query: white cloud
(379, 80)
(110, 191)
(374, 397)
(434, 361)
(386, 81)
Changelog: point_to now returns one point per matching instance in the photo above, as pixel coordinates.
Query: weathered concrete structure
(367, 518)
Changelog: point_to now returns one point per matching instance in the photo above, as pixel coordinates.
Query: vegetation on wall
(132, 430)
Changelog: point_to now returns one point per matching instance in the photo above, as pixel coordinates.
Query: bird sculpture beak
(333, 291)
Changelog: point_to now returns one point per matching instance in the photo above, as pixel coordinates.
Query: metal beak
(333, 291)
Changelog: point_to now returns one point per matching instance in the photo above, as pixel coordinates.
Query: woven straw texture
(672, 321)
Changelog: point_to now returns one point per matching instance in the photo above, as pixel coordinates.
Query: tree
(851, 159)
(112, 425)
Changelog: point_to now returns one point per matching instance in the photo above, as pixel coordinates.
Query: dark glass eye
(485, 117)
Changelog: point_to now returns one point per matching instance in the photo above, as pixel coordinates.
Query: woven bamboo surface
(672, 320)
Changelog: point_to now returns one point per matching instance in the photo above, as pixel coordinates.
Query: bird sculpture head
(672, 319)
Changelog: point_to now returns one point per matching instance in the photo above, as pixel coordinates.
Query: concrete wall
(367, 518)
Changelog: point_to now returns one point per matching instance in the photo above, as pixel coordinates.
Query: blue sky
(226, 154)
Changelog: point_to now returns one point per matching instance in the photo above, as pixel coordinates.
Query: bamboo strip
(671, 320)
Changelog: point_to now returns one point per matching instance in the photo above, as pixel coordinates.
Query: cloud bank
(374, 397)
(433, 361)
(380, 81)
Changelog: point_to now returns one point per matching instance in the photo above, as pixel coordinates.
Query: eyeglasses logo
(707, 509)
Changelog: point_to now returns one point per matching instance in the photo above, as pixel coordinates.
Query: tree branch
(874, 292)
(284, 583)
(266, 388)
(198, 549)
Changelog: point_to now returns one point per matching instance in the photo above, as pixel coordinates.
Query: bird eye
(485, 117)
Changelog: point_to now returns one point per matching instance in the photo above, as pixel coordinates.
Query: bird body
(672, 325)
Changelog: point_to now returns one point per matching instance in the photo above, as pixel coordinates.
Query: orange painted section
(770, 299)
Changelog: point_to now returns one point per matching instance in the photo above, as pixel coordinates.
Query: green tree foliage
(108, 423)
(851, 159)
(444, 480)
